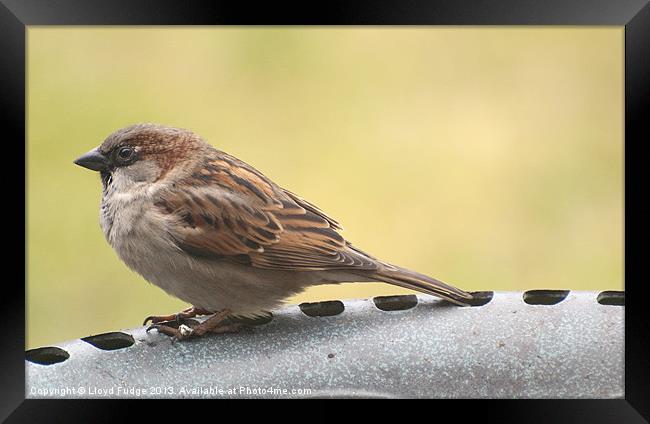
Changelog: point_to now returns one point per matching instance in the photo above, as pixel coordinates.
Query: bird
(213, 231)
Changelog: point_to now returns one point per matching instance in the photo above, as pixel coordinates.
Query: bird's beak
(94, 160)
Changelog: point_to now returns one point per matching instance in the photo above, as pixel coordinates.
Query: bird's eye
(124, 154)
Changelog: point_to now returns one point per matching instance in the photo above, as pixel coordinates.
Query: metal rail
(539, 344)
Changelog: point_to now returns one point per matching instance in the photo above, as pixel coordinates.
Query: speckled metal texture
(505, 348)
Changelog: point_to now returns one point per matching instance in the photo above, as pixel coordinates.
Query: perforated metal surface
(505, 348)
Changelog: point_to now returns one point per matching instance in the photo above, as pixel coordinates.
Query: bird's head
(141, 153)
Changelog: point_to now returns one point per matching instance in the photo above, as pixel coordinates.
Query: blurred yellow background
(490, 158)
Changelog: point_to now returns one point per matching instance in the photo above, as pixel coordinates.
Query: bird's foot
(182, 332)
(214, 324)
(184, 314)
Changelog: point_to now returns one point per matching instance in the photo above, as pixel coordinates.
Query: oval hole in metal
(481, 298)
(110, 341)
(611, 297)
(47, 355)
(545, 297)
(322, 309)
(395, 303)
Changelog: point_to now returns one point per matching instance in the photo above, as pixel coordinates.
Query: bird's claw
(182, 332)
(156, 319)
(184, 314)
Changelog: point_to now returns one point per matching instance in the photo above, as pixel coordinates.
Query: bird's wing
(226, 209)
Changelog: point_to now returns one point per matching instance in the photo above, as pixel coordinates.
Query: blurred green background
(491, 158)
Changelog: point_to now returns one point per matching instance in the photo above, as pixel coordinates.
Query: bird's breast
(123, 219)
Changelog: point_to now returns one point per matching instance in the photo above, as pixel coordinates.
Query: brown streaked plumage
(215, 232)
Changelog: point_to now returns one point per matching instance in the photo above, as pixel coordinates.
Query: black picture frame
(15, 15)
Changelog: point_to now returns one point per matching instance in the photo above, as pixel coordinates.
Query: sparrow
(216, 233)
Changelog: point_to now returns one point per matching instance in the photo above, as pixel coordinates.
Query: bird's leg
(184, 314)
(212, 324)
(176, 333)
(227, 328)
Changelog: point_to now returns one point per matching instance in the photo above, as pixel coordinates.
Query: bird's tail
(415, 281)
